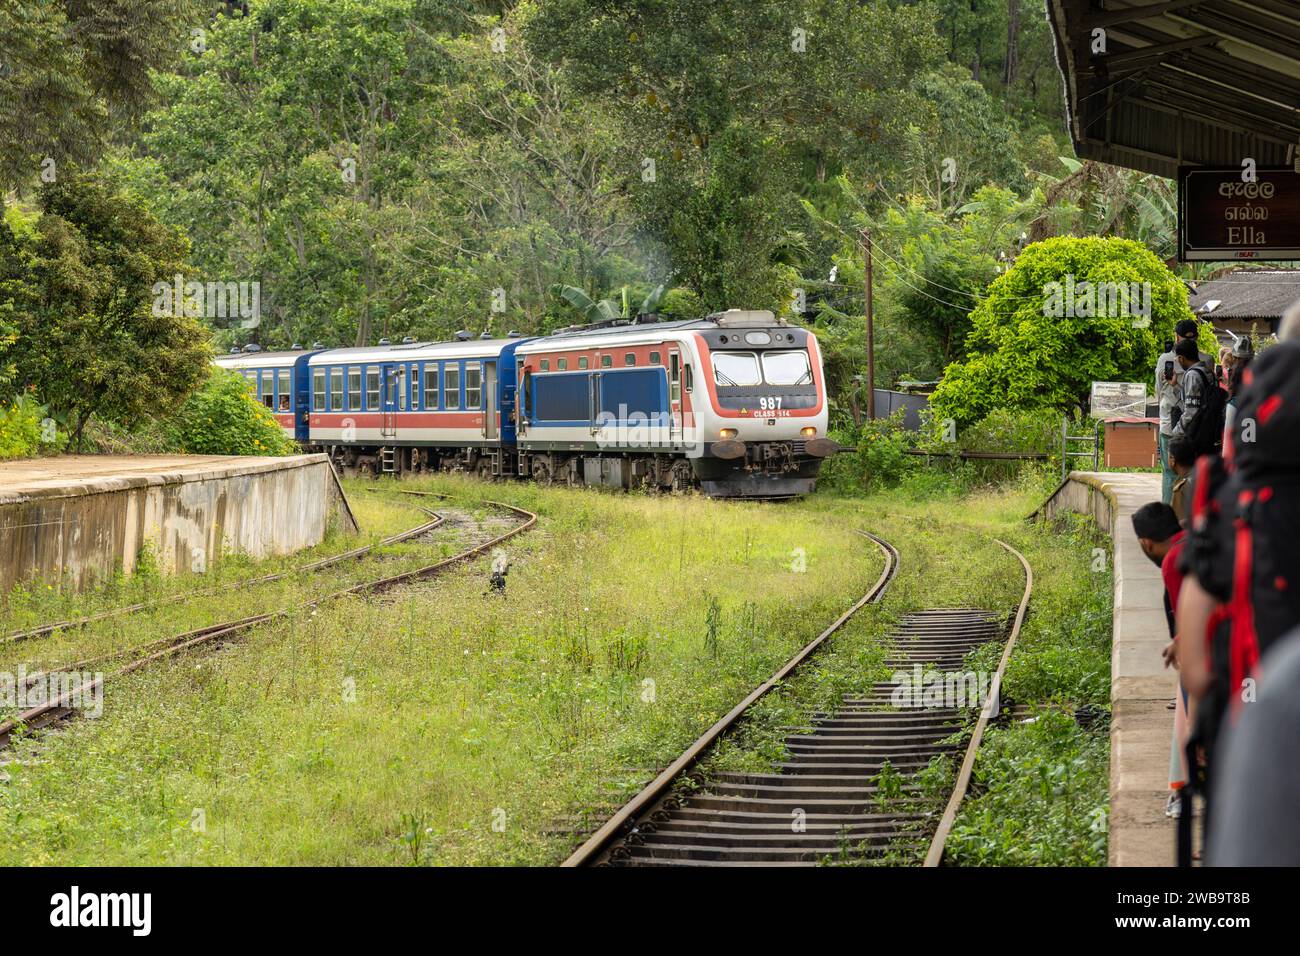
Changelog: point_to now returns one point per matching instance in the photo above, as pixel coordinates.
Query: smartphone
(1169, 369)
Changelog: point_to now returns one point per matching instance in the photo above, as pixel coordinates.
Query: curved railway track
(827, 799)
(59, 706)
(355, 554)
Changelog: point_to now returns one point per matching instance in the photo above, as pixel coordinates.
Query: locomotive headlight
(727, 433)
(807, 431)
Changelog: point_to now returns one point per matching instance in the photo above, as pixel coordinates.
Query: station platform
(71, 520)
(1140, 685)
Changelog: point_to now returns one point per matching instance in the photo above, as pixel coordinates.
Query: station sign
(1118, 400)
(1223, 216)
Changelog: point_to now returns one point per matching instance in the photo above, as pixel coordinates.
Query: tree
(73, 71)
(383, 168)
(942, 268)
(1068, 313)
(90, 342)
(732, 110)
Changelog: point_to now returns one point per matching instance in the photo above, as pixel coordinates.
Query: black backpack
(1206, 432)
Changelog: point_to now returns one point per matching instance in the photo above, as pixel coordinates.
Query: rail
(59, 707)
(935, 855)
(653, 792)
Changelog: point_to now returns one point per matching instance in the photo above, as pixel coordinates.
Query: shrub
(20, 428)
(223, 418)
(879, 458)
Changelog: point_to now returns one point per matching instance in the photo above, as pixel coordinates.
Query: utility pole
(871, 332)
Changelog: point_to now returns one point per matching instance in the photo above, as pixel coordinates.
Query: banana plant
(607, 309)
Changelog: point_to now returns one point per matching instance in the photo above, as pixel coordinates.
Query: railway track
(60, 706)
(355, 554)
(846, 789)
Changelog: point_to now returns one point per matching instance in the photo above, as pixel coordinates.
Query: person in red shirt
(1161, 536)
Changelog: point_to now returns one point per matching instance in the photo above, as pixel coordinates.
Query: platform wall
(74, 531)
(1140, 685)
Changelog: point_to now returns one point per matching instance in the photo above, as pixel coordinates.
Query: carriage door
(392, 380)
(490, 403)
(675, 394)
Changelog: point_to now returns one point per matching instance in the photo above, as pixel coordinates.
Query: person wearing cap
(1169, 395)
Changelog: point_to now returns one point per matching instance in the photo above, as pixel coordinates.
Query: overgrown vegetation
(443, 725)
(604, 659)
(1041, 788)
(224, 417)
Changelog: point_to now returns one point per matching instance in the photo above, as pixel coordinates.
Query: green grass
(1062, 662)
(440, 725)
(468, 710)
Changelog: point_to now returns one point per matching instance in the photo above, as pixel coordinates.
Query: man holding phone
(1169, 375)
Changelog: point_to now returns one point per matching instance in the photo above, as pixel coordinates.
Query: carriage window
(582, 361)
(786, 368)
(688, 378)
(674, 377)
(268, 388)
(354, 389)
(372, 388)
(415, 387)
(655, 358)
(629, 358)
(735, 368)
(473, 386)
(546, 365)
(401, 387)
(283, 391)
(606, 361)
(336, 389)
(561, 364)
(430, 388)
(318, 390)
(451, 386)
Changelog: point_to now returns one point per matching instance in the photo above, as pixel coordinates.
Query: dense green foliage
(86, 336)
(395, 167)
(72, 72)
(20, 428)
(224, 417)
(1022, 355)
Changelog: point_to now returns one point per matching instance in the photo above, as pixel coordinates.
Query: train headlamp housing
(807, 431)
(728, 432)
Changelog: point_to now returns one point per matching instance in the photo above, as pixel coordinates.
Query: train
(733, 404)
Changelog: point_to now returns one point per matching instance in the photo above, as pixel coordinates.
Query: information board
(1118, 400)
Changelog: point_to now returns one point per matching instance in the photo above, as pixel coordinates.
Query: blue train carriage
(278, 380)
(417, 406)
(735, 403)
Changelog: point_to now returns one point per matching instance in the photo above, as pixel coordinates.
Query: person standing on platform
(1161, 538)
(1169, 375)
(1181, 459)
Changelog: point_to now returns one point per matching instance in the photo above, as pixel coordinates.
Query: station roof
(1181, 82)
(1250, 294)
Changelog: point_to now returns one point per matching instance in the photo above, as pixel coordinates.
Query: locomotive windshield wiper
(724, 376)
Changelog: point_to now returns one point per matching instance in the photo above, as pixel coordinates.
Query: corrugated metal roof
(1248, 294)
(1180, 82)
